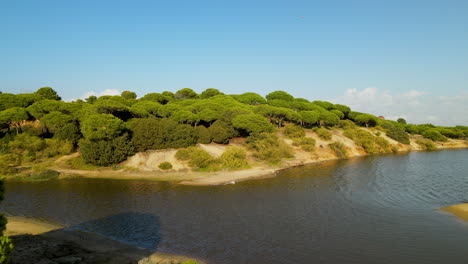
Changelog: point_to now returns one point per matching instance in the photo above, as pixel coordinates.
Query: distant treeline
(108, 129)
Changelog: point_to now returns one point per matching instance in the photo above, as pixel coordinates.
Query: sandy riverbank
(40, 242)
(145, 165)
(460, 210)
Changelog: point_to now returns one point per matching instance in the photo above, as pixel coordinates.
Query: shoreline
(36, 240)
(195, 178)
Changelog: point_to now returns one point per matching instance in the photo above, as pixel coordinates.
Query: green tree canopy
(48, 93)
(252, 123)
(250, 98)
(128, 95)
(13, 117)
(55, 120)
(101, 127)
(327, 118)
(310, 118)
(185, 93)
(210, 92)
(279, 95)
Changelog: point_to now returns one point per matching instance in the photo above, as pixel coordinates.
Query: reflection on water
(364, 210)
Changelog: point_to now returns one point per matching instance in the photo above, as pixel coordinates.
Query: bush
(9, 162)
(57, 147)
(183, 154)
(27, 142)
(106, 152)
(398, 134)
(234, 158)
(199, 158)
(306, 143)
(269, 148)
(345, 124)
(338, 148)
(426, 144)
(165, 165)
(203, 134)
(369, 142)
(293, 131)
(221, 132)
(6, 247)
(323, 133)
(434, 135)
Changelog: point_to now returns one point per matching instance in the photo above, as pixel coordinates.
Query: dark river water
(378, 209)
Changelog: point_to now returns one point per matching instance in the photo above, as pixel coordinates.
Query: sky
(393, 58)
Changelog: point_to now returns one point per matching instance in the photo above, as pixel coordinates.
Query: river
(375, 209)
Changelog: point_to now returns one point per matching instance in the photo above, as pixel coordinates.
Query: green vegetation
(371, 144)
(165, 165)
(426, 144)
(5, 243)
(234, 158)
(323, 133)
(35, 127)
(339, 149)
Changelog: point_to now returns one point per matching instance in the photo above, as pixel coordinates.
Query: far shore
(36, 240)
(189, 177)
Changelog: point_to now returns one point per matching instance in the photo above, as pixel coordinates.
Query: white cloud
(105, 92)
(415, 106)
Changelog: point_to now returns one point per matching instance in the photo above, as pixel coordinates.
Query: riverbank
(145, 165)
(37, 241)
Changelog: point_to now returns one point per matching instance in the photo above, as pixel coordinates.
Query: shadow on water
(117, 239)
(141, 229)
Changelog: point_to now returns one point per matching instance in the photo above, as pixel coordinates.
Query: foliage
(128, 95)
(183, 154)
(280, 95)
(210, 92)
(340, 114)
(310, 118)
(252, 124)
(344, 124)
(234, 158)
(401, 121)
(54, 120)
(48, 93)
(343, 108)
(293, 131)
(269, 147)
(6, 246)
(366, 120)
(398, 134)
(339, 149)
(27, 142)
(165, 165)
(153, 133)
(201, 159)
(68, 132)
(13, 117)
(323, 133)
(9, 162)
(185, 93)
(221, 132)
(250, 98)
(101, 127)
(369, 142)
(328, 119)
(306, 143)
(56, 147)
(434, 135)
(203, 135)
(106, 152)
(426, 144)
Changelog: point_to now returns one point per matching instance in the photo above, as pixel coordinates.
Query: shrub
(369, 142)
(8, 163)
(306, 143)
(234, 158)
(57, 147)
(203, 134)
(293, 131)
(5, 243)
(434, 135)
(269, 148)
(106, 152)
(199, 158)
(323, 133)
(426, 144)
(398, 134)
(345, 124)
(221, 132)
(183, 154)
(338, 148)
(165, 165)
(27, 142)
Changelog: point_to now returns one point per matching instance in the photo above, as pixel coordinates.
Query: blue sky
(391, 58)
